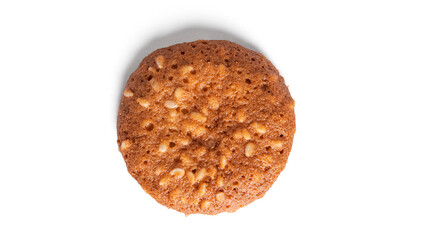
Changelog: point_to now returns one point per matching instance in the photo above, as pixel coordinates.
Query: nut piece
(222, 71)
(257, 177)
(249, 149)
(173, 113)
(220, 196)
(170, 104)
(156, 86)
(200, 151)
(195, 129)
(158, 171)
(177, 172)
(237, 134)
(198, 117)
(242, 133)
(259, 127)
(202, 189)
(245, 133)
(143, 102)
(212, 172)
(266, 159)
(222, 162)
(164, 181)
(200, 130)
(184, 141)
(200, 174)
(274, 77)
(276, 144)
(125, 145)
(186, 160)
(241, 116)
(127, 93)
(205, 111)
(163, 147)
(205, 204)
(213, 103)
(186, 69)
(180, 93)
(160, 61)
(191, 177)
(220, 181)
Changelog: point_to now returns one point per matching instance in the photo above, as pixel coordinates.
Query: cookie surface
(206, 126)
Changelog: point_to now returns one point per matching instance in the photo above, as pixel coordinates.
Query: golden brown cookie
(206, 126)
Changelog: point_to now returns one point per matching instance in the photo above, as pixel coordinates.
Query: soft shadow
(187, 34)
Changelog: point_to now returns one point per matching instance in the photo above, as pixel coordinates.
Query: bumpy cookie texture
(206, 126)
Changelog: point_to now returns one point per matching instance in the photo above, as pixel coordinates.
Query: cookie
(206, 126)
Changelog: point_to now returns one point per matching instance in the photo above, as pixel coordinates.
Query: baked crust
(205, 126)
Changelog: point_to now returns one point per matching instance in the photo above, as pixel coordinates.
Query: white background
(357, 71)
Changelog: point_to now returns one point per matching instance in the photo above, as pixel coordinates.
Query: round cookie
(206, 126)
